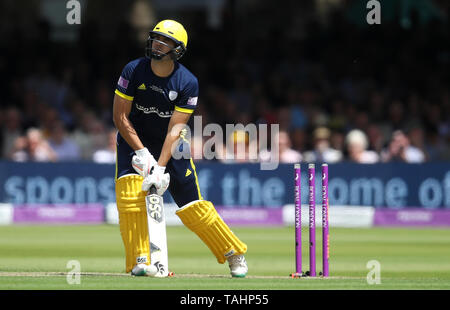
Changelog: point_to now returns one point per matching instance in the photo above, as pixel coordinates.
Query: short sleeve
(188, 100)
(126, 84)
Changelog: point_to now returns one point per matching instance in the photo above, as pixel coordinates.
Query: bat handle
(152, 190)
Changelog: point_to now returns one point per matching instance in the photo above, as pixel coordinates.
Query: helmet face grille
(175, 53)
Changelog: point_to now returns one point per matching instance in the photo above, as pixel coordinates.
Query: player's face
(160, 47)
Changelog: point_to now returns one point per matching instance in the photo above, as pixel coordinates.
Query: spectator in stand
(395, 118)
(285, 153)
(337, 141)
(33, 147)
(82, 134)
(19, 151)
(31, 109)
(12, 130)
(416, 137)
(65, 148)
(376, 138)
(2, 113)
(357, 144)
(98, 134)
(48, 116)
(400, 149)
(361, 121)
(103, 100)
(322, 151)
(338, 118)
(107, 155)
(299, 139)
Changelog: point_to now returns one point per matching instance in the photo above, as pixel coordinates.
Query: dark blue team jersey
(153, 101)
(154, 98)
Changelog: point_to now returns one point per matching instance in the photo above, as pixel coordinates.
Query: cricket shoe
(141, 270)
(238, 266)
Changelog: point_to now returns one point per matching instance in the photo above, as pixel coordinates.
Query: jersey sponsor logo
(173, 95)
(188, 173)
(142, 87)
(123, 82)
(157, 89)
(154, 110)
(192, 101)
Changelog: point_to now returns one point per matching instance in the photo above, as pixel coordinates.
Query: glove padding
(157, 178)
(143, 162)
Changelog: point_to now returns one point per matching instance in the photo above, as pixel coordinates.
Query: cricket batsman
(154, 99)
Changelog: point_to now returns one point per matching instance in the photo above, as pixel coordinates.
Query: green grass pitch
(36, 257)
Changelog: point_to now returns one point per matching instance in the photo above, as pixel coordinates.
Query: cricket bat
(157, 232)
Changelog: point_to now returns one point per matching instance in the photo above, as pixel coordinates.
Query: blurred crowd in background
(339, 90)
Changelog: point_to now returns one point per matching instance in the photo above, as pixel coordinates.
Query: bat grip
(152, 190)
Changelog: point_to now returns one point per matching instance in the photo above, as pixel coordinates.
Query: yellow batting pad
(133, 220)
(202, 218)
